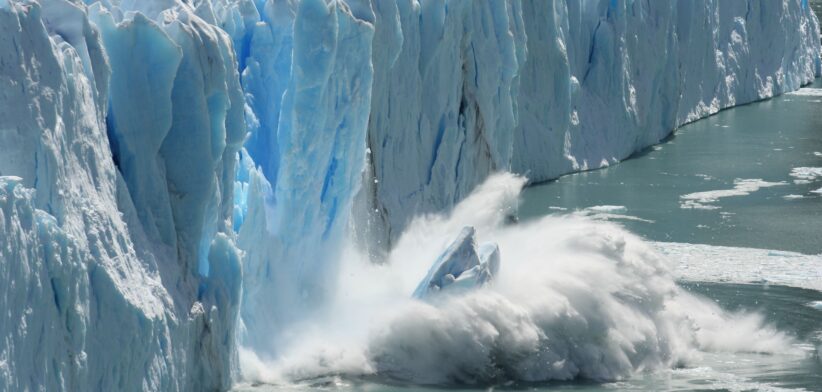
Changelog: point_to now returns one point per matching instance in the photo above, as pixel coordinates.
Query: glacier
(545, 88)
(104, 231)
(178, 178)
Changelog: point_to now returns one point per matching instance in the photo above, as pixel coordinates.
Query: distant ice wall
(545, 88)
(631, 72)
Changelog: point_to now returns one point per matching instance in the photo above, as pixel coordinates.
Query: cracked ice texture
(545, 88)
(98, 246)
(308, 83)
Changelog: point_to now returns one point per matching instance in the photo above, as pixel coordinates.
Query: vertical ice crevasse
(315, 153)
(444, 107)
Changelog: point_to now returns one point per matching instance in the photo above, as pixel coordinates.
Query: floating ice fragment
(708, 263)
(806, 175)
(808, 92)
(607, 208)
(742, 187)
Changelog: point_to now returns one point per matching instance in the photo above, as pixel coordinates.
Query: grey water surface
(730, 151)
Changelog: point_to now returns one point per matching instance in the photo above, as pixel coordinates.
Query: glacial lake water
(744, 177)
(730, 195)
(747, 177)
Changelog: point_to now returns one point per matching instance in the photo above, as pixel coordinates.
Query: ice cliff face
(307, 79)
(117, 135)
(131, 239)
(544, 88)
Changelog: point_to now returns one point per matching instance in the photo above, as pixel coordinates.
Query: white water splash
(575, 298)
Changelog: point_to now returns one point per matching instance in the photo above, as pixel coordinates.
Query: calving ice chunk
(461, 266)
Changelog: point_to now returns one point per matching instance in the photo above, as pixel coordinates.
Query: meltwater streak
(575, 298)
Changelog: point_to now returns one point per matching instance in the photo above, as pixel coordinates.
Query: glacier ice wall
(444, 102)
(112, 188)
(307, 80)
(634, 71)
(544, 88)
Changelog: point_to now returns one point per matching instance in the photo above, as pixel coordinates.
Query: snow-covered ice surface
(131, 235)
(706, 263)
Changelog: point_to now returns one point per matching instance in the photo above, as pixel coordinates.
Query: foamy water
(576, 298)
